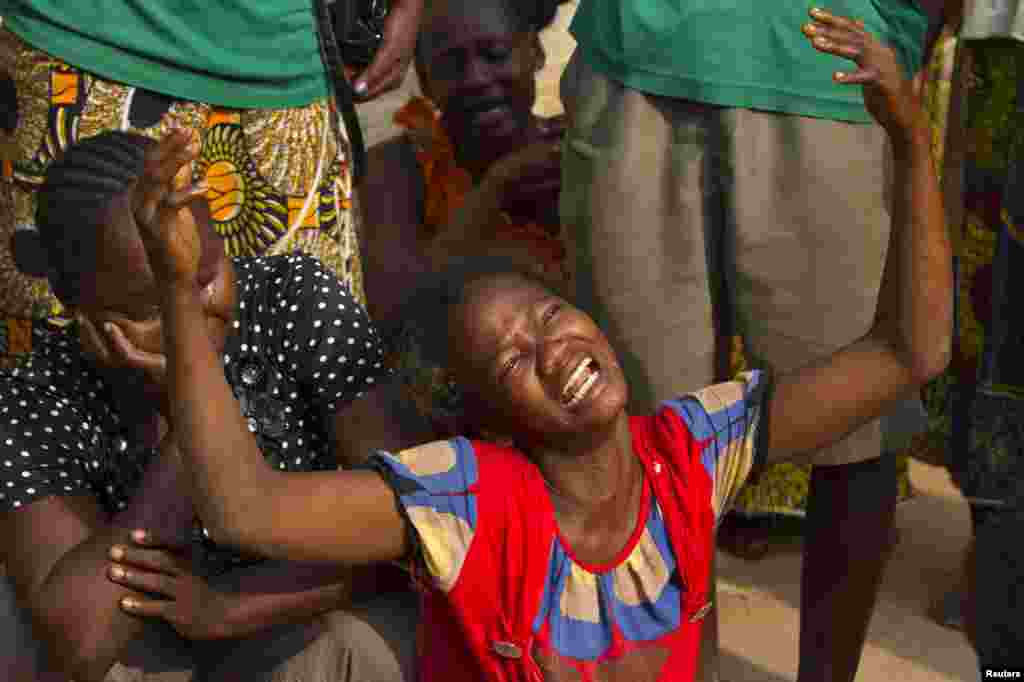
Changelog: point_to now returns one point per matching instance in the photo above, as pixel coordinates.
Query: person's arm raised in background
(910, 340)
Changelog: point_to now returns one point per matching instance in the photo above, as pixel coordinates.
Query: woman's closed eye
(497, 53)
(510, 365)
(551, 312)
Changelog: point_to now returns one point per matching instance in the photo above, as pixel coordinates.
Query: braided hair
(73, 206)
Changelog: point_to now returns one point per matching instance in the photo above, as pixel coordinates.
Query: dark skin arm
(393, 248)
(910, 340)
(56, 554)
(255, 599)
(237, 492)
(383, 419)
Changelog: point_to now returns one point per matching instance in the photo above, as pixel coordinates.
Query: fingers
(164, 162)
(149, 560)
(858, 77)
(93, 340)
(147, 538)
(841, 42)
(835, 21)
(147, 608)
(389, 66)
(142, 581)
(186, 195)
(154, 364)
(388, 77)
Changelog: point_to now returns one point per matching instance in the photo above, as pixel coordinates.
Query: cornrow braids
(73, 204)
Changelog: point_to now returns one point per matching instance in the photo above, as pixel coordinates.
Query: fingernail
(810, 28)
(360, 87)
(116, 572)
(817, 12)
(839, 76)
(117, 553)
(108, 327)
(139, 535)
(128, 603)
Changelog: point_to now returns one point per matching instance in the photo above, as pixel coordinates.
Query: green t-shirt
(739, 53)
(234, 53)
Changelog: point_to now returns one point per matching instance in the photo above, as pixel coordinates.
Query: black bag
(359, 28)
(367, 41)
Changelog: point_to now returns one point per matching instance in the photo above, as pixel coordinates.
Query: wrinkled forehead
(449, 22)
(489, 309)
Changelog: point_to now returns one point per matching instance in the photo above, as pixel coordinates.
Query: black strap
(341, 88)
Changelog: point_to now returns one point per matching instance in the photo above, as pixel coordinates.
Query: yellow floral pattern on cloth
(279, 178)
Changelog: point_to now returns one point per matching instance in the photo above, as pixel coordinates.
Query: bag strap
(340, 87)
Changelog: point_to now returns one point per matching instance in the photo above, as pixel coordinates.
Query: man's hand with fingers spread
(888, 94)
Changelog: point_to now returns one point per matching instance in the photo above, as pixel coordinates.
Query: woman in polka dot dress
(87, 454)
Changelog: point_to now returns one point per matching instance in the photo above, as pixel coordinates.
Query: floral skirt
(279, 178)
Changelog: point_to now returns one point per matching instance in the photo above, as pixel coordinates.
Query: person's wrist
(911, 143)
(179, 293)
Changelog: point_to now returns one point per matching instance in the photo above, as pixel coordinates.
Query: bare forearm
(818, 405)
(228, 475)
(250, 614)
(463, 235)
(76, 606)
(915, 301)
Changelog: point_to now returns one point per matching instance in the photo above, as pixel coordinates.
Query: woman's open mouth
(580, 382)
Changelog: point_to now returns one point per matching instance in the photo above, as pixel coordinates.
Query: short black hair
(419, 339)
(71, 209)
(425, 316)
(523, 17)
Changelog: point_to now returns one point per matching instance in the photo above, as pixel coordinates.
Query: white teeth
(584, 389)
(575, 376)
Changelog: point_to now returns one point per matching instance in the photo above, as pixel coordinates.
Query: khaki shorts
(661, 192)
(373, 642)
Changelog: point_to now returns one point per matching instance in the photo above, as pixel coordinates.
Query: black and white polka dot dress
(301, 348)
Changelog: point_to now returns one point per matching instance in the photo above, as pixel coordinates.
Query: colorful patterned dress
(505, 596)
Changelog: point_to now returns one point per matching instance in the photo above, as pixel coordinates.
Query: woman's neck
(597, 496)
(591, 480)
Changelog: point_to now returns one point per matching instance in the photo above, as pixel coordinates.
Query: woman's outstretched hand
(888, 94)
(160, 203)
